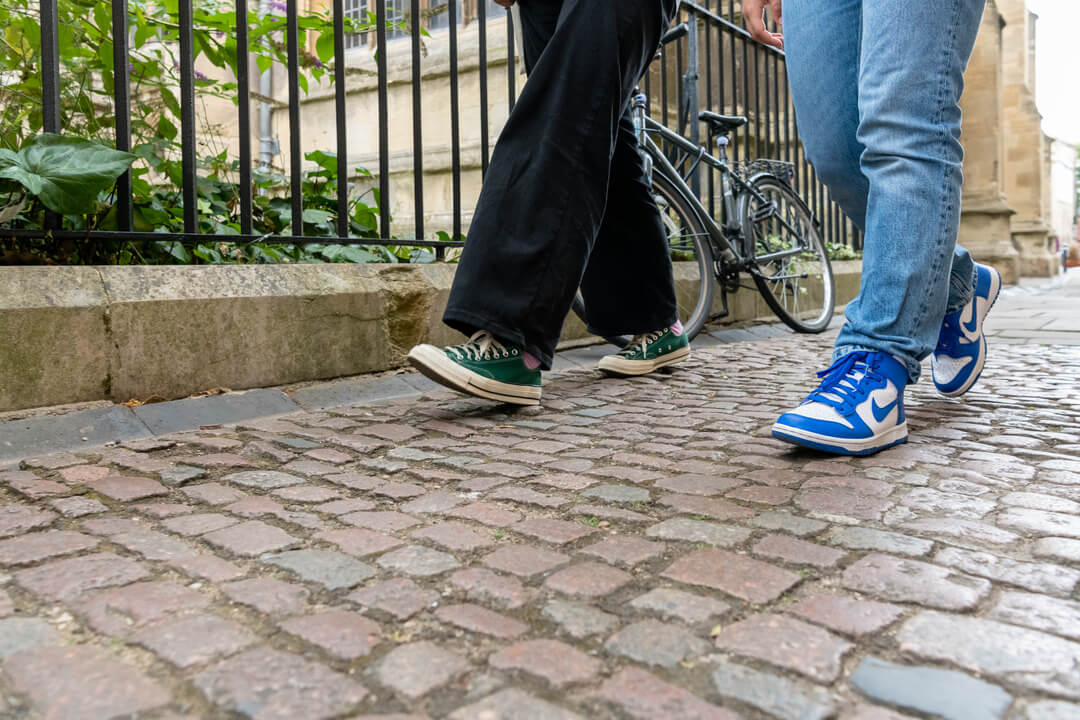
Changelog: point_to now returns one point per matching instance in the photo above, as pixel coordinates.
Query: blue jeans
(876, 86)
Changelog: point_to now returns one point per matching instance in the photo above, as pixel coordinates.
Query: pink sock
(677, 328)
(530, 362)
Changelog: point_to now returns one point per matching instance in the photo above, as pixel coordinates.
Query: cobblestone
(332, 570)
(847, 615)
(642, 695)
(251, 538)
(74, 507)
(945, 693)
(17, 519)
(436, 556)
(579, 620)
(750, 580)
(656, 643)
(797, 552)
(588, 579)
(35, 547)
(399, 597)
(483, 584)
(698, 531)
(266, 683)
(474, 618)
(68, 579)
(118, 611)
(187, 640)
(685, 606)
(268, 596)
(777, 696)
(1061, 617)
(416, 669)
(511, 703)
(625, 549)
(82, 682)
(1028, 658)
(18, 634)
(342, 634)
(905, 580)
(788, 643)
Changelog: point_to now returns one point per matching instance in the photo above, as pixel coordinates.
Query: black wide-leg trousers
(565, 202)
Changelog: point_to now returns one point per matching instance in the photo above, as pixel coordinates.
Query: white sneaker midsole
(887, 437)
(434, 363)
(616, 363)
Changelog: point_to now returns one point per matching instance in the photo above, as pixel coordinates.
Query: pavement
(630, 549)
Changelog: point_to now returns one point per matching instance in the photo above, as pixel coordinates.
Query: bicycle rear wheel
(792, 268)
(691, 259)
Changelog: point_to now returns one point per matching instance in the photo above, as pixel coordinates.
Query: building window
(357, 10)
(435, 14)
(439, 18)
(396, 19)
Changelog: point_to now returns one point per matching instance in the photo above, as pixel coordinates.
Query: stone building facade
(1006, 201)
(1007, 211)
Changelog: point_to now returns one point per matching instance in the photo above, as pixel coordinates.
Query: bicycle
(765, 230)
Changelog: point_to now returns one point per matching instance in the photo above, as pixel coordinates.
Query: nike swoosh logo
(971, 329)
(880, 413)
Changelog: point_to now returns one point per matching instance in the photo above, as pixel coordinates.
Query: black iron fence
(716, 66)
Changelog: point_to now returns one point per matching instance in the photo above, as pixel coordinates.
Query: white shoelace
(481, 346)
(641, 341)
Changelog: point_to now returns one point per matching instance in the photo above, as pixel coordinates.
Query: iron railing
(737, 76)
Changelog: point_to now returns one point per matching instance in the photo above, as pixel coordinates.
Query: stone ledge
(164, 332)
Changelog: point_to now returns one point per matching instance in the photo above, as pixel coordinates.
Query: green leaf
(263, 62)
(324, 47)
(67, 173)
(174, 249)
(170, 101)
(325, 160)
(143, 32)
(166, 129)
(316, 216)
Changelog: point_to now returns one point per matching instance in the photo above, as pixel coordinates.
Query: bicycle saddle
(721, 124)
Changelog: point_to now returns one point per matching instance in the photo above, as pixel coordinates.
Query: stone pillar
(984, 222)
(1027, 173)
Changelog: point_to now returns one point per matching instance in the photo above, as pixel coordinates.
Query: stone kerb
(70, 334)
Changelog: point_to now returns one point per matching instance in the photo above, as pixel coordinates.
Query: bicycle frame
(718, 234)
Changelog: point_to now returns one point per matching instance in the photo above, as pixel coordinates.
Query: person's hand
(505, 3)
(753, 12)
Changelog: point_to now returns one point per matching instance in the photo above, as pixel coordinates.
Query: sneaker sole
(981, 362)
(433, 363)
(622, 367)
(868, 446)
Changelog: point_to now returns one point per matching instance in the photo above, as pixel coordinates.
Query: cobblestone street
(630, 549)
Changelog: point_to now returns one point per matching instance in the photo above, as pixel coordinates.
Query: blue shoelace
(839, 388)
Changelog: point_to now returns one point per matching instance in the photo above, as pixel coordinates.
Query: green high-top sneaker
(483, 367)
(647, 353)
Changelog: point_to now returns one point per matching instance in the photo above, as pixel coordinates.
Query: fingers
(754, 17)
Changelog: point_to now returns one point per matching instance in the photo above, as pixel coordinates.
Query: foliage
(86, 54)
(66, 174)
(74, 177)
(840, 251)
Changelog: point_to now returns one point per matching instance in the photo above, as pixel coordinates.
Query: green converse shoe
(483, 367)
(647, 353)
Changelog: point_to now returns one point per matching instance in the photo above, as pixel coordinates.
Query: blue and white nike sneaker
(857, 410)
(960, 354)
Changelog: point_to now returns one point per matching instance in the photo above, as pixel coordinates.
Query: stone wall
(984, 224)
(1006, 167)
(75, 334)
